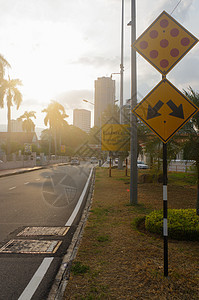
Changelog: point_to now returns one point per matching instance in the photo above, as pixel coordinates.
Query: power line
(176, 7)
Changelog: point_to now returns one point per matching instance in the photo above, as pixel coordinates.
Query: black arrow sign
(177, 111)
(153, 111)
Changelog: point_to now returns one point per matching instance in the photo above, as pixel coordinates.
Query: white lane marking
(41, 271)
(81, 198)
(36, 279)
(37, 179)
(26, 182)
(12, 188)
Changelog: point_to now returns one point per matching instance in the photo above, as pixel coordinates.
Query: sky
(59, 48)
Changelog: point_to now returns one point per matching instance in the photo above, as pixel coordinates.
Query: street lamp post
(121, 64)
(134, 172)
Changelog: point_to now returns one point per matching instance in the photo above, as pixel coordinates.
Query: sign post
(165, 109)
(165, 227)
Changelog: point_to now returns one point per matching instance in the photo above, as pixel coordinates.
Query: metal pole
(120, 161)
(133, 120)
(121, 65)
(165, 229)
(110, 167)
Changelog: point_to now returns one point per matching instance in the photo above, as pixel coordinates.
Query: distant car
(74, 162)
(94, 160)
(142, 165)
(116, 161)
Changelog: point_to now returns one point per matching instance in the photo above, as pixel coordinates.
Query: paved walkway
(10, 172)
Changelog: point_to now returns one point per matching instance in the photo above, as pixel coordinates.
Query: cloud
(74, 99)
(51, 10)
(185, 73)
(98, 61)
(183, 9)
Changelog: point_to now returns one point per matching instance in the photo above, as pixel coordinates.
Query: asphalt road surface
(39, 212)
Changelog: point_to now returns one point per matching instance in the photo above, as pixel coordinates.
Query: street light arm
(113, 74)
(88, 101)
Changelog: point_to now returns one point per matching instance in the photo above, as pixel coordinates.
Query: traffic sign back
(164, 43)
(165, 110)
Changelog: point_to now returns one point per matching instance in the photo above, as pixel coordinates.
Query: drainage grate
(30, 246)
(52, 231)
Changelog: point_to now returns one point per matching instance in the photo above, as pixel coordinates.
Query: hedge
(183, 224)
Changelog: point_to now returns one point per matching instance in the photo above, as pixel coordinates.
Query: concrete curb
(15, 172)
(62, 278)
(21, 170)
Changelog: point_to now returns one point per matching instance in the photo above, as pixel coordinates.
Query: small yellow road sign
(164, 43)
(115, 137)
(165, 110)
(63, 148)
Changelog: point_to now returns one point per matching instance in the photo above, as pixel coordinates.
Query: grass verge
(120, 262)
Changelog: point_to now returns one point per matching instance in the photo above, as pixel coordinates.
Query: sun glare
(47, 65)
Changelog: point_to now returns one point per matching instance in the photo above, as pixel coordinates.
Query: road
(38, 216)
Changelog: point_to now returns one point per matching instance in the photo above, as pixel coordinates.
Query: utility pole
(121, 64)
(120, 161)
(133, 120)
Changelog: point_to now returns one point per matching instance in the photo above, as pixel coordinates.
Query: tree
(63, 125)
(28, 125)
(191, 144)
(55, 113)
(10, 93)
(74, 138)
(3, 64)
(111, 114)
(45, 140)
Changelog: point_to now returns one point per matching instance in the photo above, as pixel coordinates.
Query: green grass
(103, 238)
(177, 178)
(79, 268)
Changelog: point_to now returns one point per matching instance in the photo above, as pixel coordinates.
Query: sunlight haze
(59, 48)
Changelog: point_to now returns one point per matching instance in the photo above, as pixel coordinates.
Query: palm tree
(3, 64)
(28, 125)
(191, 147)
(54, 116)
(62, 126)
(10, 93)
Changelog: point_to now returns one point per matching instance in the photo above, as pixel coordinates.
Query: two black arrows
(177, 111)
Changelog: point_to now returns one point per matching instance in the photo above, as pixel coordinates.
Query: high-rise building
(16, 125)
(104, 95)
(82, 119)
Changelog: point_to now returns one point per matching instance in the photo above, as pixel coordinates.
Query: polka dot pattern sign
(164, 43)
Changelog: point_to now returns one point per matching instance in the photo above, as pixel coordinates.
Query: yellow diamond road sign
(165, 110)
(164, 43)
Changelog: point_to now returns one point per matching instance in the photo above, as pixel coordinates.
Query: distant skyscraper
(82, 119)
(16, 126)
(104, 95)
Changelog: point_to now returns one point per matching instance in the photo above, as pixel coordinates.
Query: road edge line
(62, 278)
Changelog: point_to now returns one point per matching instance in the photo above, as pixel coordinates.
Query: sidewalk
(9, 172)
(4, 173)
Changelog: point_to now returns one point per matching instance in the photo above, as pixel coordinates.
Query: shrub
(79, 268)
(103, 238)
(183, 224)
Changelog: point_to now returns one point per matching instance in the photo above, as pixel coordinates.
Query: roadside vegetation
(183, 224)
(119, 259)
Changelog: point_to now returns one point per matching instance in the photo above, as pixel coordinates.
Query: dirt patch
(125, 263)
